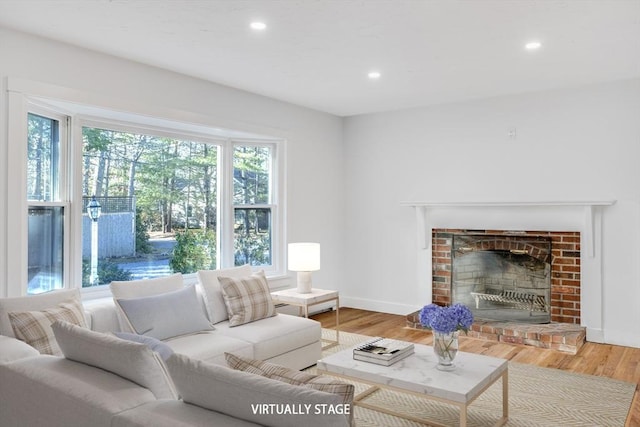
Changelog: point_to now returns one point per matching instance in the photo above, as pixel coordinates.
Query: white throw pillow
(32, 303)
(13, 349)
(216, 308)
(142, 288)
(166, 315)
(244, 395)
(133, 361)
(247, 298)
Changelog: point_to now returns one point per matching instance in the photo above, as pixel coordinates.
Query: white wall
(314, 140)
(578, 144)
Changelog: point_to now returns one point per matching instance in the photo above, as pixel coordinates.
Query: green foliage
(142, 237)
(175, 183)
(252, 243)
(194, 250)
(107, 272)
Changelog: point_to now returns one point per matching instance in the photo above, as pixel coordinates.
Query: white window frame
(20, 103)
(276, 195)
(18, 232)
(64, 190)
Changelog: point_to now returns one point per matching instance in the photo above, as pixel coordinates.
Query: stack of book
(383, 351)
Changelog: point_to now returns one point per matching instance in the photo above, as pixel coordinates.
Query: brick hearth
(565, 337)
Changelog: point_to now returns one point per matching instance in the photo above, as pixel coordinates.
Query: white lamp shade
(304, 256)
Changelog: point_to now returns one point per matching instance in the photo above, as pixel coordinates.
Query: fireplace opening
(501, 277)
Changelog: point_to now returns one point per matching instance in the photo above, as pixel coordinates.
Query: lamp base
(304, 282)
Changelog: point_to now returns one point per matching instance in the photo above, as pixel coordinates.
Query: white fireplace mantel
(583, 216)
(588, 226)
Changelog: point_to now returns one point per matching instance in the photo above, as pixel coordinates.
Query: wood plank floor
(622, 363)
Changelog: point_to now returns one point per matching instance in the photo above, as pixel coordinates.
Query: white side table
(304, 301)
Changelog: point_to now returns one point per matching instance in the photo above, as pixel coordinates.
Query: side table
(304, 301)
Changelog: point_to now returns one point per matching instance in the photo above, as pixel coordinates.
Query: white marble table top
(295, 297)
(417, 373)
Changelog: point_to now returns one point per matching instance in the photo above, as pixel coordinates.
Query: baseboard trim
(375, 305)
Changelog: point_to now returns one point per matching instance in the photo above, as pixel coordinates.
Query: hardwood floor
(622, 363)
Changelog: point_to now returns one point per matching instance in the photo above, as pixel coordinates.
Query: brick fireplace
(564, 333)
(565, 265)
(575, 228)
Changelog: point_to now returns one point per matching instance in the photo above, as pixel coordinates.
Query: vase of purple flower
(446, 323)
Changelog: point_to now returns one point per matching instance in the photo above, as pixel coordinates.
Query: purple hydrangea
(446, 319)
(464, 316)
(426, 314)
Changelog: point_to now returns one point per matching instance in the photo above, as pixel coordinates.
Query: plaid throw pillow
(291, 376)
(34, 327)
(247, 298)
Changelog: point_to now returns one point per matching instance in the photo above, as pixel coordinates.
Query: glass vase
(445, 346)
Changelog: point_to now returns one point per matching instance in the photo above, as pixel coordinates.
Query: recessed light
(374, 75)
(259, 26)
(532, 45)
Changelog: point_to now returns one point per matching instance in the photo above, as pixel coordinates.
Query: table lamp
(304, 258)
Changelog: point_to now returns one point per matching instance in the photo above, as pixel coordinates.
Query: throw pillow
(345, 391)
(154, 344)
(142, 288)
(32, 303)
(34, 327)
(132, 361)
(244, 395)
(13, 349)
(247, 298)
(166, 315)
(146, 287)
(216, 307)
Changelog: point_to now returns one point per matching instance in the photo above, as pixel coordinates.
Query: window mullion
(226, 207)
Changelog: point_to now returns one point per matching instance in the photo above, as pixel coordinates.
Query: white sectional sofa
(89, 388)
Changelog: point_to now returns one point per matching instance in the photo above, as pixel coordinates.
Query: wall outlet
(511, 133)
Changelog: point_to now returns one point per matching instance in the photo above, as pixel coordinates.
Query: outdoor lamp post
(94, 209)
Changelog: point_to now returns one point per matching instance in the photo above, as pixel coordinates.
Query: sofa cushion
(140, 289)
(31, 303)
(209, 346)
(133, 361)
(154, 344)
(57, 392)
(250, 397)
(291, 376)
(13, 349)
(247, 298)
(175, 413)
(275, 335)
(101, 314)
(216, 307)
(166, 315)
(34, 327)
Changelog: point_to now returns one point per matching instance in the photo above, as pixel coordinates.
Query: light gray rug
(538, 397)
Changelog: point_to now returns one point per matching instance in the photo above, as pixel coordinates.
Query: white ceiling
(317, 53)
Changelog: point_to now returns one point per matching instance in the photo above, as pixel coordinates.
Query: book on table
(383, 351)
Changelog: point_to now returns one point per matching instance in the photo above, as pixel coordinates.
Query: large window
(160, 200)
(164, 199)
(252, 199)
(46, 194)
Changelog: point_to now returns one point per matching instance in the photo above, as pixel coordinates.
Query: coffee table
(417, 375)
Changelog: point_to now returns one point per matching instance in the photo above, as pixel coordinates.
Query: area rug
(538, 397)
